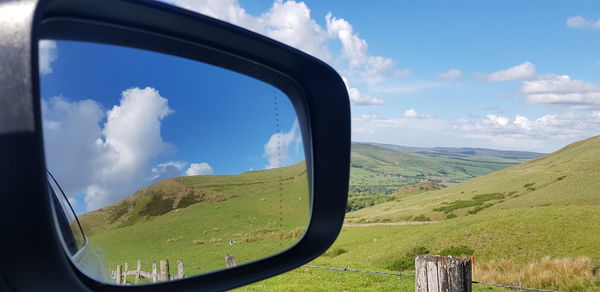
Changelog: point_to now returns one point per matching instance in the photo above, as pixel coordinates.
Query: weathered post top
(119, 276)
(154, 272)
(180, 273)
(164, 271)
(438, 273)
(229, 261)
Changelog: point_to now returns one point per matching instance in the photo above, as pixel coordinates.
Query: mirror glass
(173, 167)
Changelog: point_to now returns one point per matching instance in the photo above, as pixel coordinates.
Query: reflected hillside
(200, 219)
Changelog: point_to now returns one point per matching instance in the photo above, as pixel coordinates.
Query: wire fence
(412, 275)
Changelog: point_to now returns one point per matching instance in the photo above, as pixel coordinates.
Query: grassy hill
(381, 169)
(536, 224)
(566, 177)
(194, 218)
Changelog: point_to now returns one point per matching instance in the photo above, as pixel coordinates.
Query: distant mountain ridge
(460, 151)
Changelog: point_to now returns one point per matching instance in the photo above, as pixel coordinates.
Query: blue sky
(519, 75)
(515, 75)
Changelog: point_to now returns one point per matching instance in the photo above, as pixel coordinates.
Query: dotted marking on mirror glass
(279, 157)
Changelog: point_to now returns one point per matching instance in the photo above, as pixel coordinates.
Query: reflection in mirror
(174, 167)
(71, 232)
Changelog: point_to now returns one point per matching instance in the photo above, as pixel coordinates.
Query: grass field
(307, 279)
(523, 235)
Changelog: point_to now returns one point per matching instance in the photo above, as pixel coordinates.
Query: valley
(510, 211)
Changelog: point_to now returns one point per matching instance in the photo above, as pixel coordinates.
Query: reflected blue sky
(141, 116)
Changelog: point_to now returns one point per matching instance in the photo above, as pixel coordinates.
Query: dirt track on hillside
(389, 223)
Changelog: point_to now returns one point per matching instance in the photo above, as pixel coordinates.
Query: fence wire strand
(412, 275)
(359, 271)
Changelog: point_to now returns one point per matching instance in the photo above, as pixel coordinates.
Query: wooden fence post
(137, 271)
(164, 271)
(437, 273)
(119, 276)
(229, 261)
(180, 274)
(154, 274)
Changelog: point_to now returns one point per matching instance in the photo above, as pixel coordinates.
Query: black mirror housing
(317, 92)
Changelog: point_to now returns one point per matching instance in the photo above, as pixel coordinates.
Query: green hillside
(380, 169)
(564, 178)
(194, 219)
(536, 224)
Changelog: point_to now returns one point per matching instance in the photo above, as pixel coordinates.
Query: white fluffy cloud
(71, 140)
(289, 22)
(47, 54)
(413, 114)
(561, 91)
(280, 145)
(581, 22)
(167, 170)
(105, 163)
(525, 70)
(450, 75)
(354, 49)
(358, 98)
(202, 168)
(177, 168)
(545, 133)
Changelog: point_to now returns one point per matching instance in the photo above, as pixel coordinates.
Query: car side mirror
(315, 93)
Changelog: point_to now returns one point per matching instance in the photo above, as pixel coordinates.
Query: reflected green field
(251, 216)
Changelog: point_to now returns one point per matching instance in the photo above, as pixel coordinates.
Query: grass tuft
(269, 232)
(335, 252)
(173, 239)
(568, 274)
(402, 264)
(477, 200)
(457, 251)
(421, 218)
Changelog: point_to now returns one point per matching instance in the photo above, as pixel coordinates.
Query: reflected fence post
(164, 271)
(138, 269)
(154, 275)
(119, 276)
(180, 274)
(229, 261)
(124, 281)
